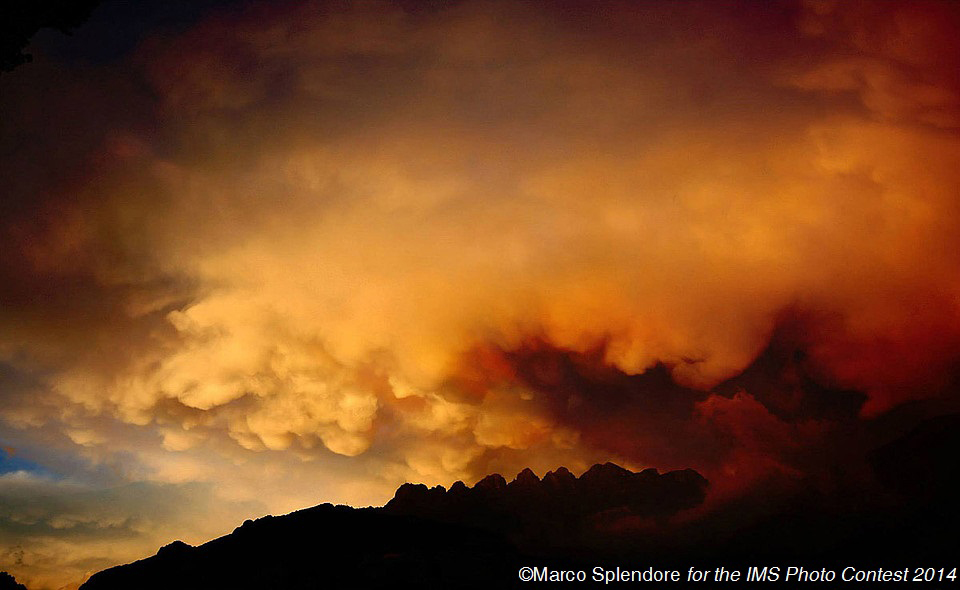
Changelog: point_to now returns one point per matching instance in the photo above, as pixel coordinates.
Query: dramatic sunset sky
(259, 256)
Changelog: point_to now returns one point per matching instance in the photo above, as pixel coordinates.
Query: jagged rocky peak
(602, 487)
(560, 478)
(410, 490)
(492, 482)
(525, 479)
(607, 472)
(419, 495)
(175, 547)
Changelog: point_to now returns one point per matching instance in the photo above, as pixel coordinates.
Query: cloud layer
(306, 253)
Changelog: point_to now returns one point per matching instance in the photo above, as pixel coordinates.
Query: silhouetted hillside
(8, 582)
(430, 538)
(478, 537)
(321, 547)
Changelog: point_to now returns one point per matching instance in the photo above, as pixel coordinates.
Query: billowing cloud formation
(310, 251)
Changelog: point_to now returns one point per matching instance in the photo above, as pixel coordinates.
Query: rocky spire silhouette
(532, 511)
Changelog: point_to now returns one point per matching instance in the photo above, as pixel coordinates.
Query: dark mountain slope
(424, 538)
(8, 582)
(479, 537)
(321, 547)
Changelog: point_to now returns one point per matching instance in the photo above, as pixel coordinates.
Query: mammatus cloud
(308, 253)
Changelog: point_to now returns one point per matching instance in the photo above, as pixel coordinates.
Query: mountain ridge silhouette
(479, 536)
(485, 529)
